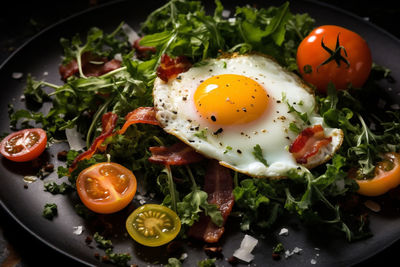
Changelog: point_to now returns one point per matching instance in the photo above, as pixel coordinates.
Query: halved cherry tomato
(153, 225)
(24, 145)
(334, 54)
(106, 187)
(386, 176)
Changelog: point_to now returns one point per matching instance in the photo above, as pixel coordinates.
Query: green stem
(96, 117)
(194, 185)
(171, 187)
(110, 73)
(235, 180)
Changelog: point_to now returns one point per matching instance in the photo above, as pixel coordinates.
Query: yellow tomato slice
(153, 225)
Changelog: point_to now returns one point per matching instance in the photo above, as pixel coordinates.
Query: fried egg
(238, 109)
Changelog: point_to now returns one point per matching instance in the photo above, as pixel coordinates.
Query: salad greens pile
(184, 28)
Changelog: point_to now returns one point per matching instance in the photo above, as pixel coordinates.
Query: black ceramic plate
(41, 57)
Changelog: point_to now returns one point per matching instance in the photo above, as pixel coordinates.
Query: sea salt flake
(284, 231)
(246, 247)
(17, 75)
(289, 253)
(78, 230)
(313, 261)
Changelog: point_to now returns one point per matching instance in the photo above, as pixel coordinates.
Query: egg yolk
(230, 99)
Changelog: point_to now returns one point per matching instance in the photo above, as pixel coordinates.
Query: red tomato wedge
(106, 187)
(24, 145)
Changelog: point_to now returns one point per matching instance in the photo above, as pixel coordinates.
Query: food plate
(41, 57)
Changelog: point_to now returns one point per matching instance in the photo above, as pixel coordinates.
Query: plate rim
(114, 2)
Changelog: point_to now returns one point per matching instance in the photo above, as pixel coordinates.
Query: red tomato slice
(106, 187)
(24, 145)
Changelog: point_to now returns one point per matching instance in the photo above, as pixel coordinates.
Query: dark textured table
(20, 20)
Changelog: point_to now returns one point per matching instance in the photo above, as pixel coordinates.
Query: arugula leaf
(34, 93)
(173, 262)
(193, 204)
(257, 152)
(252, 197)
(207, 263)
(102, 242)
(97, 42)
(119, 259)
(50, 211)
(55, 188)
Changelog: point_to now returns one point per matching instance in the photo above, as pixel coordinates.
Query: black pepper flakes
(213, 118)
(220, 130)
(239, 151)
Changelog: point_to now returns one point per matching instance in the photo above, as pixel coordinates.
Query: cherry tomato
(24, 145)
(106, 187)
(386, 177)
(153, 225)
(334, 54)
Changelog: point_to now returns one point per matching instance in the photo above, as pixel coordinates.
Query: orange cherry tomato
(334, 54)
(386, 177)
(106, 187)
(24, 145)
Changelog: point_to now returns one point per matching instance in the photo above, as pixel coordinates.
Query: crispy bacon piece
(219, 185)
(308, 143)
(102, 66)
(140, 115)
(170, 68)
(143, 52)
(177, 154)
(108, 121)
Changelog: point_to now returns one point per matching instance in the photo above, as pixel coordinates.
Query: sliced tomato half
(153, 225)
(24, 145)
(106, 187)
(386, 176)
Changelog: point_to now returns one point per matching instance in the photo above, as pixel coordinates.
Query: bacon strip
(177, 154)
(140, 115)
(170, 67)
(219, 185)
(308, 143)
(108, 121)
(102, 66)
(143, 52)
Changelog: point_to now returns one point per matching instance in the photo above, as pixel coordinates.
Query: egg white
(233, 145)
